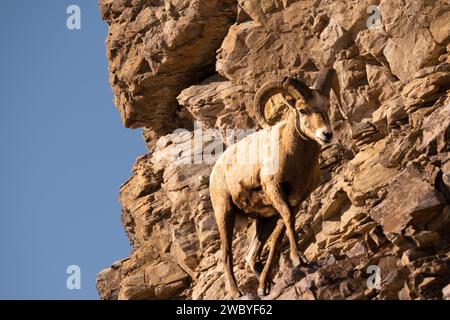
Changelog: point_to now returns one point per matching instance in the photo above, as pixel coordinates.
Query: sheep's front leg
(280, 204)
(266, 275)
(264, 228)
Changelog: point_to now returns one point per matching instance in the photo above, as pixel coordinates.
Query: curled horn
(286, 86)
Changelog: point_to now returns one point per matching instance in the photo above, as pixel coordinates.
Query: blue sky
(64, 151)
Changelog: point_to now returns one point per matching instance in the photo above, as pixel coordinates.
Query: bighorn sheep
(243, 187)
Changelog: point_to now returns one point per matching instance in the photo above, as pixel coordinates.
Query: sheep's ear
(326, 79)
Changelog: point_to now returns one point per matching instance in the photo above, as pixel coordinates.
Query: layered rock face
(377, 227)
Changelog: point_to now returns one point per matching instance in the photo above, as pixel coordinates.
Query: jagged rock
(410, 53)
(383, 199)
(205, 101)
(108, 280)
(437, 128)
(371, 43)
(359, 104)
(410, 199)
(440, 28)
(160, 281)
(368, 173)
(393, 277)
(161, 44)
(425, 239)
(381, 82)
(391, 114)
(404, 148)
(215, 100)
(441, 222)
(425, 91)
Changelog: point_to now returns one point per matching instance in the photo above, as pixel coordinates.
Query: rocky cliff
(383, 202)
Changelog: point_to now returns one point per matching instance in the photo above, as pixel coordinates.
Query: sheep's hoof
(303, 259)
(235, 293)
(296, 262)
(262, 292)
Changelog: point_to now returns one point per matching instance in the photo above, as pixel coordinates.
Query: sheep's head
(309, 105)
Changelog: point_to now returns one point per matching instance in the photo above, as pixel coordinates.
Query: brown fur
(271, 198)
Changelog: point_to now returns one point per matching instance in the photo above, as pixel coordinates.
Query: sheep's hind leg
(225, 221)
(266, 275)
(263, 229)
